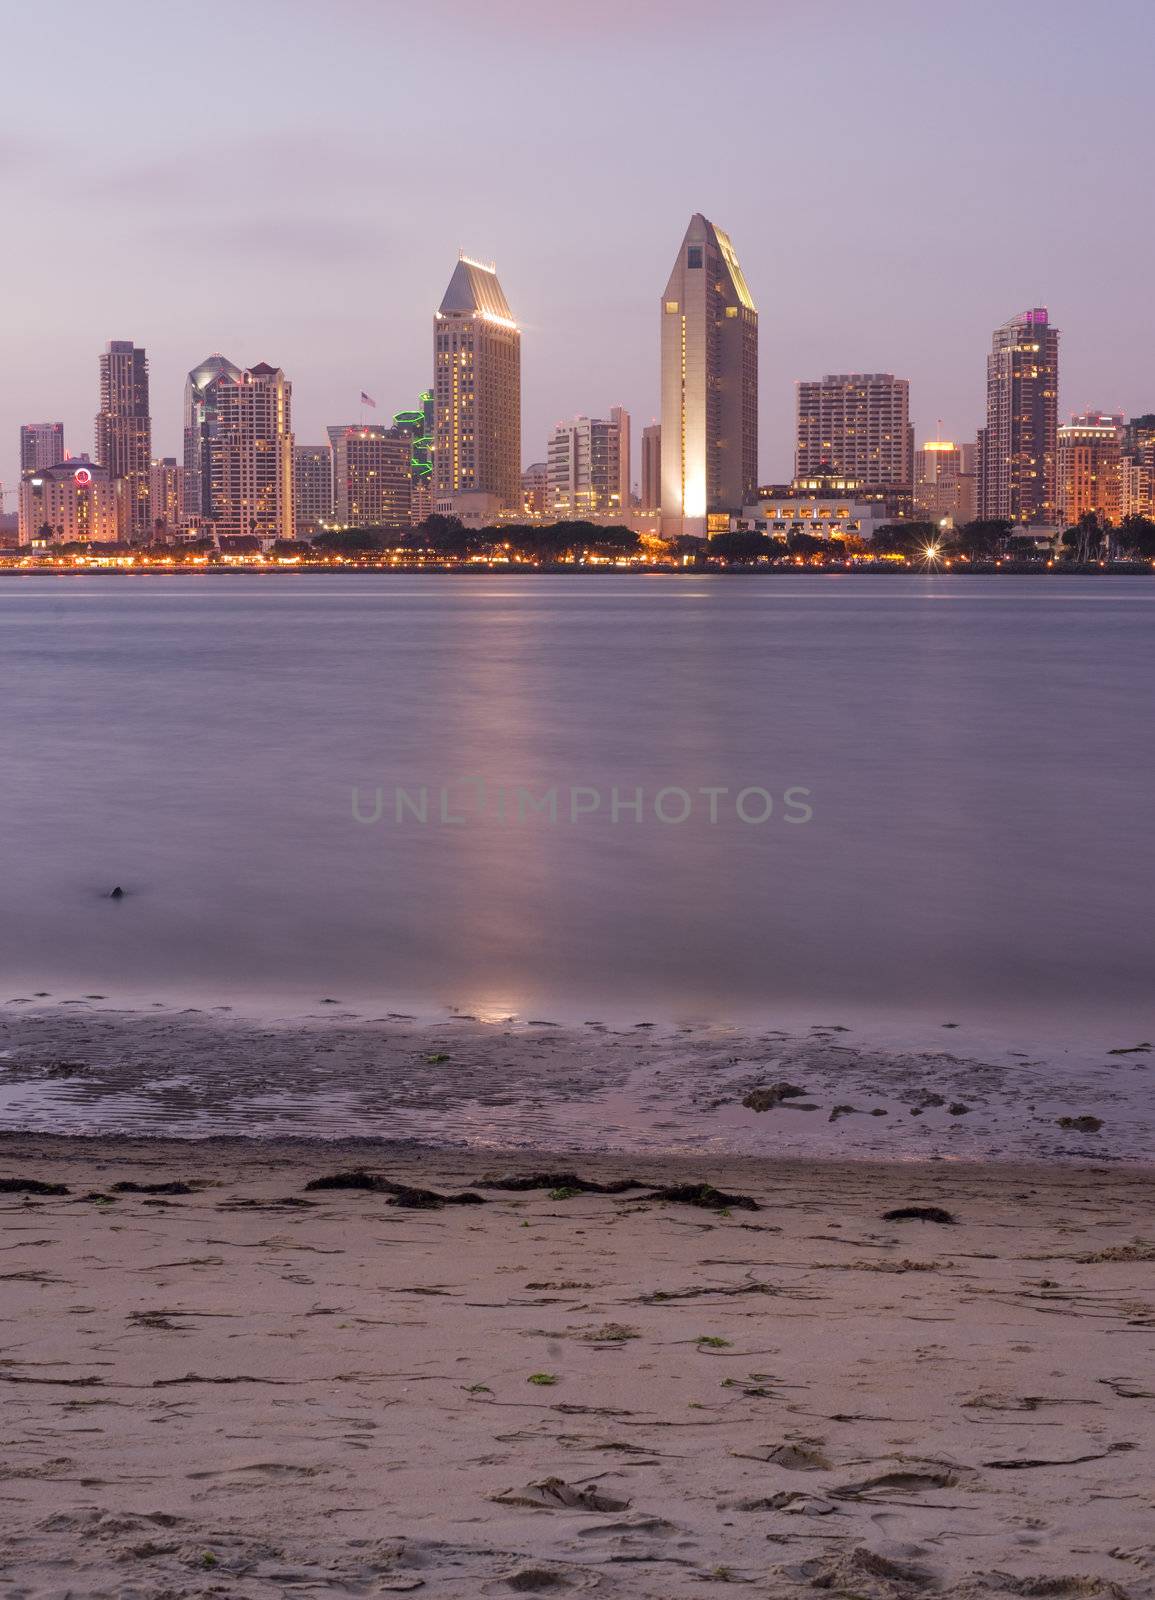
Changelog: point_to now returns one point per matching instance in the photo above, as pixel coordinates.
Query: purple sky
(291, 182)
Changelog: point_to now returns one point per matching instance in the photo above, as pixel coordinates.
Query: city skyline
(327, 274)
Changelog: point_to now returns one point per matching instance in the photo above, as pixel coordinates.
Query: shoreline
(250, 1386)
(1004, 569)
(460, 1082)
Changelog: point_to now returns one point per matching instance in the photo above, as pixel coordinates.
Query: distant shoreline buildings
(243, 478)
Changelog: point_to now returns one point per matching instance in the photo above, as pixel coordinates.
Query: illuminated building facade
(124, 432)
(535, 489)
(652, 467)
(856, 424)
(41, 445)
(1018, 475)
(419, 425)
(588, 469)
(372, 482)
(250, 456)
(1090, 468)
(201, 391)
(786, 509)
(944, 481)
(709, 348)
(312, 487)
(71, 502)
(165, 496)
(477, 389)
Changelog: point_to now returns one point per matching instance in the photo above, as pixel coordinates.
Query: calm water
(978, 756)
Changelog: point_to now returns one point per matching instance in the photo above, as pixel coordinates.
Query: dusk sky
(291, 183)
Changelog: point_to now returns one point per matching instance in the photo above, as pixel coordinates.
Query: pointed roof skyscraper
(477, 393)
(474, 288)
(709, 383)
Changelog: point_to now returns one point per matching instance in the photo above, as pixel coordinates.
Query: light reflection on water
(977, 751)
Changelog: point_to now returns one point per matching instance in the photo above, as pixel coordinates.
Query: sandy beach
(250, 1387)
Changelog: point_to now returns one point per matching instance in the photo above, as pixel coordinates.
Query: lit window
(671, 308)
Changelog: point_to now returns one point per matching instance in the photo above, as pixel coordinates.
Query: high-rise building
(652, 467)
(944, 481)
(1018, 467)
(709, 384)
(856, 425)
(586, 472)
(372, 477)
(201, 391)
(73, 502)
(535, 489)
(620, 419)
(1136, 486)
(1137, 467)
(41, 445)
(250, 455)
(477, 389)
(419, 426)
(1139, 434)
(312, 487)
(165, 497)
(1090, 468)
(124, 431)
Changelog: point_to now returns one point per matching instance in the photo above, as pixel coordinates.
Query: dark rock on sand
(400, 1194)
(704, 1195)
(521, 1182)
(31, 1186)
(919, 1214)
(172, 1186)
(1081, 1124)
(773, 1095)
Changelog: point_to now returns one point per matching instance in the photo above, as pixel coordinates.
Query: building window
(671, 308)
(693, 255)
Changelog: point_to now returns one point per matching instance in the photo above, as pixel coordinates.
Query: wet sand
(948, 1091)
(230, 1392)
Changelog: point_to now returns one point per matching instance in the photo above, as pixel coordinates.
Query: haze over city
(897, 181)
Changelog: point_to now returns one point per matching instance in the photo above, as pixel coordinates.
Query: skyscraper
(652, 467)
(419, 425)
(856, 425)
(1017, 471)
(124, 431)
(709, 383)
(41, 445)
(586, 471)
(372, 475)
(200, 426)
(1090, 476)
(620, 419)
(250, 456)
(165, 497)
(477, 389)
(312, 487)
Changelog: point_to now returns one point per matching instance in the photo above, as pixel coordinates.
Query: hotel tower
(124, 432)
(709, 384)
(477, 390)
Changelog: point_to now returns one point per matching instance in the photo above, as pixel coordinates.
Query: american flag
(368, 400)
